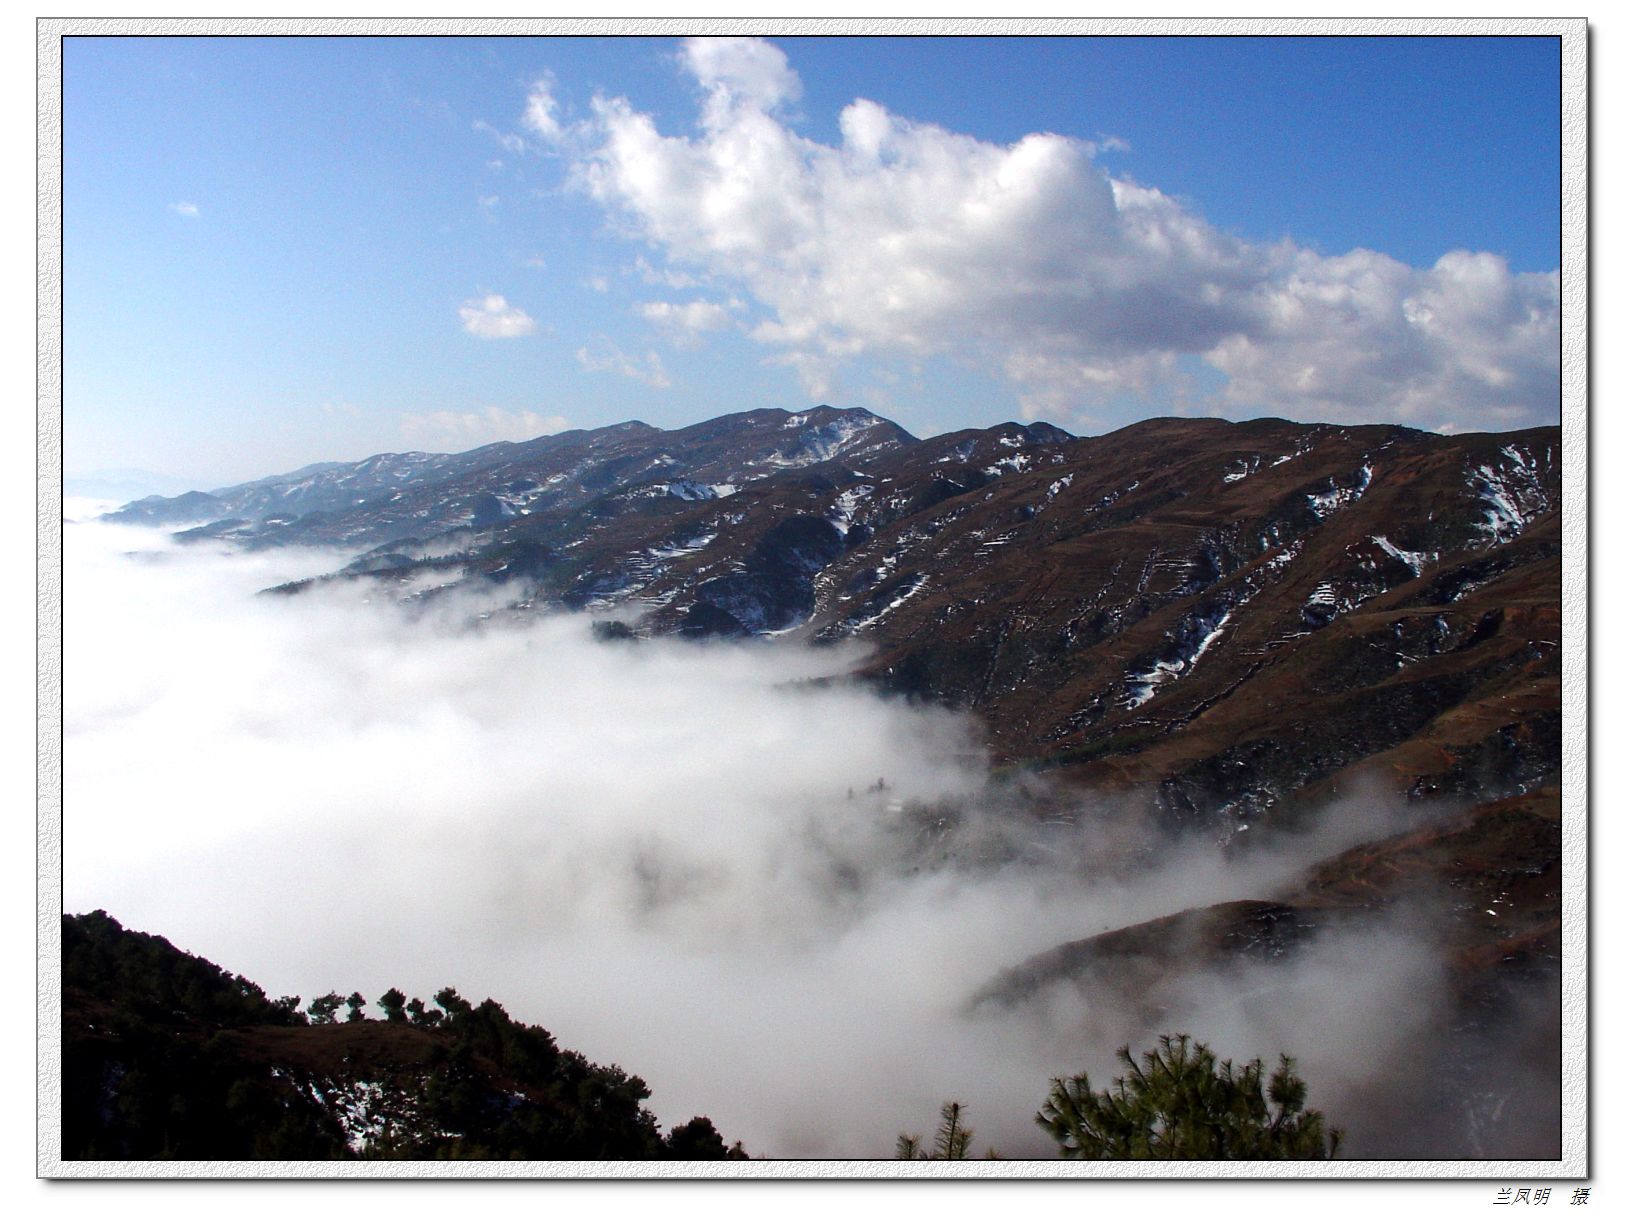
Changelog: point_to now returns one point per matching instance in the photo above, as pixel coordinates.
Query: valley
(1326, 659)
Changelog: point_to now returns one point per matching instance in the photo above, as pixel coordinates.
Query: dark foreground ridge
(167, 1057)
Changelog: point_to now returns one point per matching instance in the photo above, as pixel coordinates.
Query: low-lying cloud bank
(1093, 294)
(678, 858)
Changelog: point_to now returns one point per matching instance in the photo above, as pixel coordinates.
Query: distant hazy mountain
(122, 484)
(422, 495)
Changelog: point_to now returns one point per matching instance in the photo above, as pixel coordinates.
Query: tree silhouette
(1181, 1103)
(698, 1139)
(418, 1014)
(393, 1002)
(454, 1004)
(166, 1056)
(952, 1141)
(323, 1010)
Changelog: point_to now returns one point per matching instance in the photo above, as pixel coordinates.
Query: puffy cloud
(740, 73)
(492, 316)
(451, 431)
(1090, 294)
(1464, 345)
(541, 112)
(609, 357)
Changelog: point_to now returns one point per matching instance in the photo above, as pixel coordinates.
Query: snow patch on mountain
(816, 444)
(1303, 449)
(667, 552)
(1244, 469)
(842, 510)
(906, 590)
(1196, 636)
(1416, 561)
(1019, 462)
(1511, 495)
(999, 541)
(1108, 499)
(694, 491)
(1328, 502)
(1329, 600)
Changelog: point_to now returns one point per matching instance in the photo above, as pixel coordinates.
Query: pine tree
(323, 1010)
(952, 1140)
(453, 1004)
(418, 1014)
(393, 1002)
(1181, 1103)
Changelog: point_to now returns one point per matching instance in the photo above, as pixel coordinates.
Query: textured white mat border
(1575, 440)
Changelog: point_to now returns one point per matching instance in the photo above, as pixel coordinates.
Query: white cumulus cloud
(492, 316)
(1093, 296)
(741, 72)
(541, 112)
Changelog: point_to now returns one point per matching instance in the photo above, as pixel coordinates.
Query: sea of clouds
(675, 857)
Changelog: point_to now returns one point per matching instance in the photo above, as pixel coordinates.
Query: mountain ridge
(1135, 608)
(1216, 631)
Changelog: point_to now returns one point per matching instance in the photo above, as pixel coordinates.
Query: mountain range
(1239, 614)
(1225, 630)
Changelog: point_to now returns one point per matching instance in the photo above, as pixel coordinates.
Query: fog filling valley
(675, 857)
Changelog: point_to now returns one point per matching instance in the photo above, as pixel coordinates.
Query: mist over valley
(818, 774)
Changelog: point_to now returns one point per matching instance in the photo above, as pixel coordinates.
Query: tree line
(167, 1056)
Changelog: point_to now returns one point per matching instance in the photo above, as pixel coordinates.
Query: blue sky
(278, 251)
